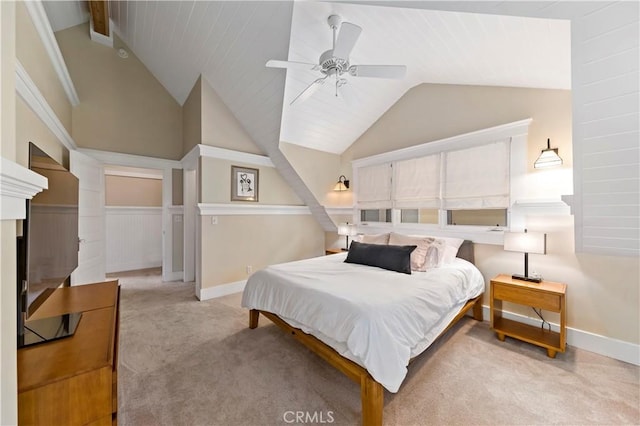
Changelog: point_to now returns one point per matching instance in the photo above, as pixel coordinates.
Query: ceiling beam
(100, 16)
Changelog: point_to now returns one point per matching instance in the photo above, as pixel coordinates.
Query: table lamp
(526, 242)
(346, 229)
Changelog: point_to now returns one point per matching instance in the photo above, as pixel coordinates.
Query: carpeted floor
(185, 362)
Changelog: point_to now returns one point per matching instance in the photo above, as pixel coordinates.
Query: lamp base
(528, 279)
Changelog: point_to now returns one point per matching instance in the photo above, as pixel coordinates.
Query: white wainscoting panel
(134, 238)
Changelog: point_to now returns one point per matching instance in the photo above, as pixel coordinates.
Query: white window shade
(478, 177)
(374, 187)
(416, 183)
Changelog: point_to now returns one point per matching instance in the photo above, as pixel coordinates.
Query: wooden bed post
(477, 309)
(254, 314)
(372, 397)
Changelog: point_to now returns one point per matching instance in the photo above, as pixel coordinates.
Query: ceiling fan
(335, 62)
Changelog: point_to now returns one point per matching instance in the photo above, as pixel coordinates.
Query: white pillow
(375, 239)
(451, 246)
(428, 251)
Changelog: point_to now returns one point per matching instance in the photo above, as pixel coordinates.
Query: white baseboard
(221, 290)
(613, 348)
(133, 266)
(173, 276)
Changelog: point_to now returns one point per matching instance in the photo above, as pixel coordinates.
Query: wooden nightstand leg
(500, 336)
(551, 353)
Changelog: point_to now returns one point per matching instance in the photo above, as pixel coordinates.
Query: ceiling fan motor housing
(332, 65)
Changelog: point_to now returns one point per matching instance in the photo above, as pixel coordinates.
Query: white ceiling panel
(229, 42)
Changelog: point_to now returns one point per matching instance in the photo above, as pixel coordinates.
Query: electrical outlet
(214, 220)
(249, 269)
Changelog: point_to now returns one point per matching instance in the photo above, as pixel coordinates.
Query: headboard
(466, 251)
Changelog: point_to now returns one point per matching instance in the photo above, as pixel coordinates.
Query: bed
(367, 322)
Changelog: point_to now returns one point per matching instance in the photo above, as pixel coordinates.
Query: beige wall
(132, 191)
(602, 295)
(8, 340)
(34, 58)
(123, 108)
(176, 187)
(220, 127)
(430, 112)
(257, 241)
(320, 171)
(29, 128)
(215, 178)
(192, 118)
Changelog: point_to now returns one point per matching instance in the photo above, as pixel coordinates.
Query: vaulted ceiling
(230, 42)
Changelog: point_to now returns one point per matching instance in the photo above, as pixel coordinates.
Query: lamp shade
(526, 242)
(348, 229)
(342, 184)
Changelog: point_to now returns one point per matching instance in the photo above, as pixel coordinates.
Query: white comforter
(377, 318)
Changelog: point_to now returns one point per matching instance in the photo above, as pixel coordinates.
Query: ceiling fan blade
(309, 90)
(378, 71)
(273, 63)
(347, 38)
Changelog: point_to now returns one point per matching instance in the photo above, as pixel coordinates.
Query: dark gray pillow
(392, 258)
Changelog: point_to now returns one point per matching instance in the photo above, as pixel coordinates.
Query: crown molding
(41, 22)
(207, 151)
(29, 92)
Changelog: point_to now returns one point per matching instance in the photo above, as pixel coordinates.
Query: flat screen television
(47, 250)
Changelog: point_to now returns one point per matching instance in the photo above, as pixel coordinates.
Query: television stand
(47, 329)
(73, 381)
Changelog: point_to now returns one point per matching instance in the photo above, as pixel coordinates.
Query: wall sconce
(526, 242)
(548, 158)
(342, 185)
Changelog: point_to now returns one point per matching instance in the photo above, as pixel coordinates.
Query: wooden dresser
(73, 381)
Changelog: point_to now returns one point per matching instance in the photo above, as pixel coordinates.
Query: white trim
(221, 290)
(41, 22)
(101, 38)
(124, 173)
(17, 184)
(209, 209)
(131, 160)
(224, 154)
(172, 276)
(476, 234)
(542, 207)
(133, 266)
(29, 92)
(175, 209)
(335, 211)
(465, 140)
(131, 210)
(602, 345)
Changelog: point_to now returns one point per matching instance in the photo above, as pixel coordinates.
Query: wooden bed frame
(371, 392)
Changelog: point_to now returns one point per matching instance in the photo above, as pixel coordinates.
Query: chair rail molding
(17, 184)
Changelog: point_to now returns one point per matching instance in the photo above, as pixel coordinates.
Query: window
(375, 215)
(419, 216)
(452, 184)
(479, 217)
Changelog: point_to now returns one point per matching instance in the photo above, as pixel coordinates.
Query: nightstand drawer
(530, 297)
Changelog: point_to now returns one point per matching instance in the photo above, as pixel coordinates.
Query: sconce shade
(342, 185)
(548, 158)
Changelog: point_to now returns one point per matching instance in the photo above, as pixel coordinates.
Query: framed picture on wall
(244, 183)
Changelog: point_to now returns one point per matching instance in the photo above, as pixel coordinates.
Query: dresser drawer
(524, 296)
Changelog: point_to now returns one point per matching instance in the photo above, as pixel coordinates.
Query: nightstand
(545, 295)
(334, 251)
